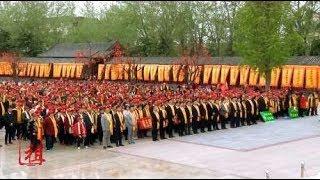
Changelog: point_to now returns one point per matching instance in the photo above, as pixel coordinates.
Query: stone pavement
(244, 152)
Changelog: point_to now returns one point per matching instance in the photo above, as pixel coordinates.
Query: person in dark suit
(215, 116)
(118, 126)
(9, 126)
(210, 115)
(204, 116)
(88, 125)
(155, 121)
(195, 118)
(232, 113)
(170, 109)
(163, 121)
(182, 116)
(189, 117)
(250, 111)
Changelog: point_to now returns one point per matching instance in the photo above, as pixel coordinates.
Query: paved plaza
(245, 152)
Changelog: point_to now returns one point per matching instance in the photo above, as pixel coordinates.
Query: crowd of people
(83, 113)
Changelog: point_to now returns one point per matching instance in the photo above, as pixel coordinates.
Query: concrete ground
(245, 152)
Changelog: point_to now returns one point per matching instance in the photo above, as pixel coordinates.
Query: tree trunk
(268, 80)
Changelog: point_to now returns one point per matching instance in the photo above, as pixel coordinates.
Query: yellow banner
(22, 69)
(311, 77)
(318, 77)
(161, 73)
(107, 72)
(262, 80)
(146, 72)
(175, 72)
(254, 77)
(244, 75)
(57, 70)
(298, 76)
(275, 77)
(197, 74)
(207, 69)
(140, 71)
(47, 69)
(100, 69)
(153, 72)
(41, 70)
(287, 72)
(79, 70)
(167, 70)
(234, 74)
(224, 74)
(127, 71)
(36, 70)
(182, 74)
(215, 75)
(114, 71)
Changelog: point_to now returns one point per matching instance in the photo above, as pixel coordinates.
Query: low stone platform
(244, 152)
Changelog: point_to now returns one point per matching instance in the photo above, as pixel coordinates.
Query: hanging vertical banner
(79, 70)
(22, 69)
(100, 69)
(33, 67)
(69, 68)
(244, 75)
(287, 72)
(120, 71)
(46, 71)
(311, 77)
(234, 74)
(224, 74)
(254, 77)
(41, 70)
(36, 70)
(197, 78)
(275, 77)
(207, 69)
(146, 72)
(161, 73)
(175, 71)
(318, 77)
(64, 70)
(57, 70)
(182, 73)
(107, 72)
(114, 72)
(167, 70)
(262, 80)
(153, 72)
(192, 71)
(140, 71)
(126, 71)
(215, 74)
(298, 76)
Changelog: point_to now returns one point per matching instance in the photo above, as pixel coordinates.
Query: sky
(97, 4)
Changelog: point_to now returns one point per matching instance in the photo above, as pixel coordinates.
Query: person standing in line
(119, 126)
(155, 123)
(79, 130)
(129, 123)
(106, 127)
(9, 126)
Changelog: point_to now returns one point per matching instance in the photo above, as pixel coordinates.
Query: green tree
(264, 35)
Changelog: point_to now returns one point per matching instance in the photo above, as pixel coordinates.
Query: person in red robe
(79, 130)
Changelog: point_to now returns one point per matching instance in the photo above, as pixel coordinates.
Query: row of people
(160, 109)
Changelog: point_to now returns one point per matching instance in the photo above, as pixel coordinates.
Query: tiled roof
(69, 50)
